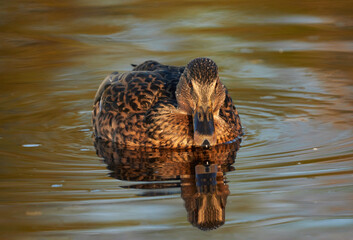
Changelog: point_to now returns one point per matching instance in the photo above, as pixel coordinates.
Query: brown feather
(140, 108)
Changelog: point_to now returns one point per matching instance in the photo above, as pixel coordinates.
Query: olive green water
(288, 66)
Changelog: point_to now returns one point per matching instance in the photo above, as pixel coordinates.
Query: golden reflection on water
(200, 173)
(287, 67)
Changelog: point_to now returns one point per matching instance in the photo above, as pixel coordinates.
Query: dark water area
(287, 66)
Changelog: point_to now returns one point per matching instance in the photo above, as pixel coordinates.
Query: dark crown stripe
(203, 70)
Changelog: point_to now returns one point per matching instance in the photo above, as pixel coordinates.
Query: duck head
(200, 94)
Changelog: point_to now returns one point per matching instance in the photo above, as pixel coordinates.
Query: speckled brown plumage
(156, 105)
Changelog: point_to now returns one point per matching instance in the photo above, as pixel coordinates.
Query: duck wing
(132, 92)
(169, 74)
(123, 101)
(230, 116)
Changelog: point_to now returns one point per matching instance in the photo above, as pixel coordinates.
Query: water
(287, 67)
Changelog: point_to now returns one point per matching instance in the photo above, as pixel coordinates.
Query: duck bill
(204, 131)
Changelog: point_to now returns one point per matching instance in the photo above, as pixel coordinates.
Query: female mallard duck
(157, 105)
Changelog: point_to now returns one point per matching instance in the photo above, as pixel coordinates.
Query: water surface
(287, 66)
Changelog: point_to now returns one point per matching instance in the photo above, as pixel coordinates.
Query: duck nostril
(209, 116)
(206, 144)
(200, 117)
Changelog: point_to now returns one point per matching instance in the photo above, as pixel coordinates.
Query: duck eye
(190, 84)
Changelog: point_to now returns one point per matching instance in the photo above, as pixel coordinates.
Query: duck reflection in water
(199, 172)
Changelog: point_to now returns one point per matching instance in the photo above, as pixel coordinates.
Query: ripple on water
(287, 67)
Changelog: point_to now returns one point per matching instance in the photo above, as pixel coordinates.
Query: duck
(165, 106)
